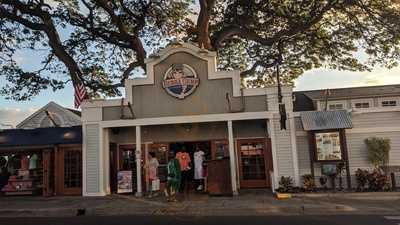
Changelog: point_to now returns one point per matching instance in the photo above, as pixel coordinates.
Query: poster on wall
(328, 146)
(125, 181)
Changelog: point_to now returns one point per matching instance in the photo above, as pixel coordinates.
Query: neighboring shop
(247, 138)
(41, 161)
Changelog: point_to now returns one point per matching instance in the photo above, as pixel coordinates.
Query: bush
(308, 182)
(378, 151)
(285, 185)
(377, 181)
(362, 179)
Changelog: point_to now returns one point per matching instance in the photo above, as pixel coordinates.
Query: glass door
(70, 171)
(253, 162)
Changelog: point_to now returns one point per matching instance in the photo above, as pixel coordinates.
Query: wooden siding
(283, 150)
(380, 119)
(92, 154)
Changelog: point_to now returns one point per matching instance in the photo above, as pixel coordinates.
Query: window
(72, 169)
(361, 105)
(337, 106)
(252, 160)
(389, 103)
(328, 147)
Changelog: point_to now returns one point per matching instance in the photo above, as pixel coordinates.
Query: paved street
(232, 220)
(255, 203)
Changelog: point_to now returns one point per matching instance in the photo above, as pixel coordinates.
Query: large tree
(101, 43)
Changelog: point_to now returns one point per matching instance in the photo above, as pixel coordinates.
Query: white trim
(138, 155)
(95, 103)
(376, 110)
(101, 160)
(232, 160)
(187, 119)
(84, 174)
(294, 151)
(270, 125)
(321, 104)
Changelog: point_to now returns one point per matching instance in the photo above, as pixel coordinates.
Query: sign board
(180, 81)
(125, 181)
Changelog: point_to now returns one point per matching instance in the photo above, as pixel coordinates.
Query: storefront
(42, 161)
(185, 104)
(249, 138)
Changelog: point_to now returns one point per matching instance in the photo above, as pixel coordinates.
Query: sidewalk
(253, 203)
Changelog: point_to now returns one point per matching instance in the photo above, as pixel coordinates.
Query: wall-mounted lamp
(187, 127)
(69, 135)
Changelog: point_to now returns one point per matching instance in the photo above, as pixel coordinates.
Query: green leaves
(114, 37)
(378, 151)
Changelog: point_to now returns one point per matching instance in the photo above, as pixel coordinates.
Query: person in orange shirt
(185, 163)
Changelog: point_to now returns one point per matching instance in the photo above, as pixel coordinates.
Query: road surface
(172, 220)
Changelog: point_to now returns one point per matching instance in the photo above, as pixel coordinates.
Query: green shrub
(285, 184)
(378, 151)
(308, 182)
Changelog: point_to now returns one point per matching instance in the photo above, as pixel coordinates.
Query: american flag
(80, 95)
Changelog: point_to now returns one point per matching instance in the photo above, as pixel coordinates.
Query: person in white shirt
(198, 167)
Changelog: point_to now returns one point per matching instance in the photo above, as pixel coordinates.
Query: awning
(324, 120)
(41, 136)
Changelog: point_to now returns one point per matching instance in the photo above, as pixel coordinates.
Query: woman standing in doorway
(152, 171)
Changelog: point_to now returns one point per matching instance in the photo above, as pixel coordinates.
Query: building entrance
(192, 157)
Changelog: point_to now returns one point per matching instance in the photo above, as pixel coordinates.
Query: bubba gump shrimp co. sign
(180, 81)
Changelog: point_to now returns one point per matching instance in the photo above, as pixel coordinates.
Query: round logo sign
(180, 81)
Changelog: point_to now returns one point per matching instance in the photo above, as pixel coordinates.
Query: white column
(271, 129)
(232, 158)
(292, 127)
(138, 154)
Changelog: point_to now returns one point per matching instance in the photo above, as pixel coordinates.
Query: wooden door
(255, 162)
(69, 167)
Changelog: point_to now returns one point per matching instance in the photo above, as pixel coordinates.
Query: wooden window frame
(268, 163)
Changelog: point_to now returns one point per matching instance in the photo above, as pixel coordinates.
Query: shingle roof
(41, 136)
(76, 112)
(323, 120)
(355, 92)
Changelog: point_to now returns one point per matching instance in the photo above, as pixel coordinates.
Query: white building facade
(185, 102)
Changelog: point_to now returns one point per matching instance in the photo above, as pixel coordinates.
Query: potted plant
(285, 188)
(308, 182)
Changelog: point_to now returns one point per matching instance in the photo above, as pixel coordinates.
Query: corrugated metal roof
(322, 120)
